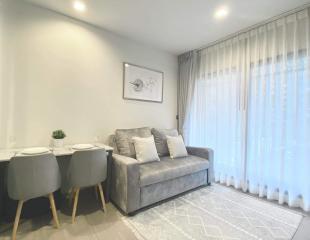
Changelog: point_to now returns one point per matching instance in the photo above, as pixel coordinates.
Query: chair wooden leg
(54, 211)
(17, 217)
(76, 198)
(102, 197)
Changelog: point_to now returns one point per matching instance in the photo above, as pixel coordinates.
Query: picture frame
(142, 83)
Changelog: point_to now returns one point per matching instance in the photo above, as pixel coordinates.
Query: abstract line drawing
(141, 83)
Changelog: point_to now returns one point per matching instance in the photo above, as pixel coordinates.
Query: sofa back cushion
(124, 142)
(112, 143)
(160, 137)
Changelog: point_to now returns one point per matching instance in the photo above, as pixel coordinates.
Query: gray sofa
(135, 185)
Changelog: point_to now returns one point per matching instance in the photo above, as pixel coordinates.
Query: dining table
(63, 156)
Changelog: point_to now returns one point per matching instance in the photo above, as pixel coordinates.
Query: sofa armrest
(206, 153)
(125, 186)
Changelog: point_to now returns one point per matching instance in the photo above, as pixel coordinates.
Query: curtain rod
(284, 14)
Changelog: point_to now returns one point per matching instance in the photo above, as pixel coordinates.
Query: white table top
(7, 154)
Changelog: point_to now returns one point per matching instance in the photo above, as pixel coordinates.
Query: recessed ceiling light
(221, 12)
(79, 6)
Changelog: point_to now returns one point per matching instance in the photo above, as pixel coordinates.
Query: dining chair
(31, 177)
(87, 168)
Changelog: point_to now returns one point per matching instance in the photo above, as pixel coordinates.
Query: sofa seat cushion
(167, 168)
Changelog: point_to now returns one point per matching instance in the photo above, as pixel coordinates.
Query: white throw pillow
(176, 147)
(145, 149)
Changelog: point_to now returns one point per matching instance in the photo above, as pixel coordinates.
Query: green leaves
(58, 134)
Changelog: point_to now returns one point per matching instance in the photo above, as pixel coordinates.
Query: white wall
(62, 73)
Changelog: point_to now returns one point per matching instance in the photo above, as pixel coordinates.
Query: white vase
(58, 143)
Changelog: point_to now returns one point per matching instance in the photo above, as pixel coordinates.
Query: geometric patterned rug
(215, 212)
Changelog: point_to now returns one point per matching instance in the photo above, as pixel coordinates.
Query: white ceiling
(173, 25)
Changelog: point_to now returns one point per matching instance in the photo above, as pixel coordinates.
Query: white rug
(215, 212)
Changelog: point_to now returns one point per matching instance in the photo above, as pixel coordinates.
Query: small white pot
(58, 143)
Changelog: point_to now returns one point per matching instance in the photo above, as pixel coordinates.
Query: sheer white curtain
(216, 114)
(278, 116)
(251, 104)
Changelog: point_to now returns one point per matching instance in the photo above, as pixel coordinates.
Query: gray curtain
(187, 72)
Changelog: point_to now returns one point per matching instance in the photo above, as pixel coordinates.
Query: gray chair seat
(168, 168)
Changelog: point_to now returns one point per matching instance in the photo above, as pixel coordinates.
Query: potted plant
(58, 138)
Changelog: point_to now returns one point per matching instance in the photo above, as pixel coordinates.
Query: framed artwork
(143, 84)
